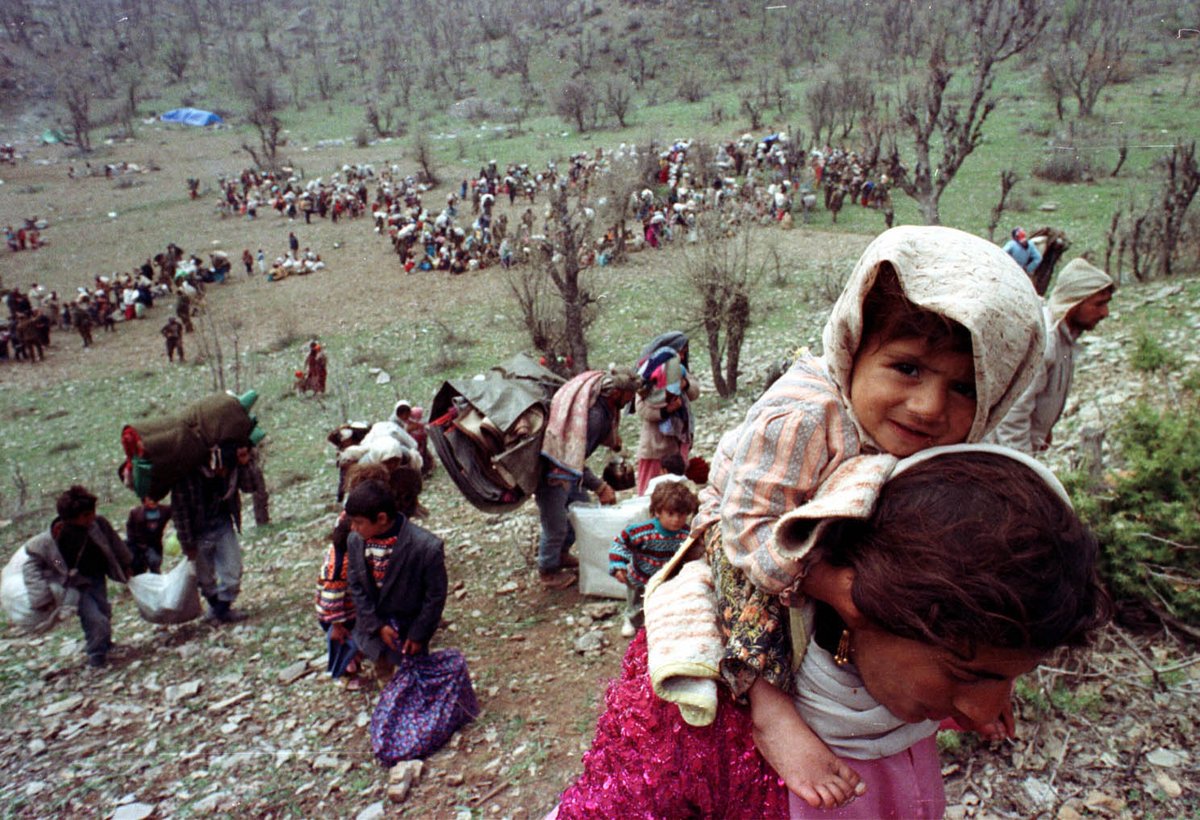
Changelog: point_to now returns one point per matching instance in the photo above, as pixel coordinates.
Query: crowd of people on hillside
(827, 531)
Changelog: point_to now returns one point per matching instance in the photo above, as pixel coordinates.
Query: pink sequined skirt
(646, 762)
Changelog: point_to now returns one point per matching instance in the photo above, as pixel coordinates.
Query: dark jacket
(413, 592)
(46, 565)
(144, 533)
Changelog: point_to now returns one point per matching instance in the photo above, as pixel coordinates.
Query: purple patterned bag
(428, 699)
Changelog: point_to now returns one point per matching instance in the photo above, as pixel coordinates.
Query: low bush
(1147, 514)
(1064, 167)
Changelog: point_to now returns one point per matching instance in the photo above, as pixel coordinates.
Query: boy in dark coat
(397, 578)
(81, 550)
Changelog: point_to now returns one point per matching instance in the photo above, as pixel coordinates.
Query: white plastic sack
(173, 598)
(596, 527)
(15, 598)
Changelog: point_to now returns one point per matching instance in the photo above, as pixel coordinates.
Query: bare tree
(643, 60)
(992, 32)
(1008, 178)
(1152, 238)
(423, 153)
(519, 51)
(555, 306)
(262, 102)
(175, 56)
(75, 92)
(616, 101)
(721, 277)
(1092, 39)
(576, 102)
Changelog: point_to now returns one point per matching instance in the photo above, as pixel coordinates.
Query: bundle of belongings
(159, 452)
(487, 431)
(19, 603)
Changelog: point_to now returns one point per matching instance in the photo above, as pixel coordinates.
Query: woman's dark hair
(76, 501)
(889, 315)
(370, 498)
(973, 549)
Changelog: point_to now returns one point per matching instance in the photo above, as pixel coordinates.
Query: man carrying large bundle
(208, 517)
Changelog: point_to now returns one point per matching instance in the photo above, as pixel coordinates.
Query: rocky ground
(241, 721)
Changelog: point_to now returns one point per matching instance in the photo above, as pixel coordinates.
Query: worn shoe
(232, 616)
(97, 661)
(559, 579)
(628, 630)
(568, 561)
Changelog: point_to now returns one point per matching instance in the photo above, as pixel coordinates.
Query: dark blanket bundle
(162, 450)
(488, 432)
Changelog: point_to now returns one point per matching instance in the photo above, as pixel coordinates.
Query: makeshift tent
(52, 136)
(191, 116)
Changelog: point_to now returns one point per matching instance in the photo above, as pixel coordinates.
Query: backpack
(488, 431)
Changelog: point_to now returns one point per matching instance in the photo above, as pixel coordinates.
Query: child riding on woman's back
(932, 339)
(941, 579)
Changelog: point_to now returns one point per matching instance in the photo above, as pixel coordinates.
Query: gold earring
(842, 656)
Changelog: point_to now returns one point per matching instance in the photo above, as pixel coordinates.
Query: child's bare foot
(808, 767)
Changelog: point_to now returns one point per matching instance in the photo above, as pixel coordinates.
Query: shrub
(1063, 166)
(1150, 355)
(1147, 515)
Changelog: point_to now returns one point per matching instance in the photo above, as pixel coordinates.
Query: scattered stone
(64, 705)
(1165, 758)
(1170, 787)
(373, 812)
(508, 589)
(1100, 800)
(293, 673)
(1040, 793)
(1068, 812)
(601, 611)
(326, 761)
(589, 642)
(36, 746)
(383, 378)
(181, 691)
(402, 777)
(221, 706)
(455, 779)
(35, 787)
(216, 802)
(133, 811)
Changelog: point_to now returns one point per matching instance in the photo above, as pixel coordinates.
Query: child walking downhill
(933, 338)
(936, 582)
(640, 550)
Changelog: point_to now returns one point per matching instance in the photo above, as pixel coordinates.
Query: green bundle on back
(161, 451)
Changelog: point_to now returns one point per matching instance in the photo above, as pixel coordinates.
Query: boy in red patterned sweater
(642, 549)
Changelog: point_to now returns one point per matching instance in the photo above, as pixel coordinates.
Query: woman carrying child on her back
(932, 584)
(933, 338)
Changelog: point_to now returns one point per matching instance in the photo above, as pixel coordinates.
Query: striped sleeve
(790, 442)
(334, 604)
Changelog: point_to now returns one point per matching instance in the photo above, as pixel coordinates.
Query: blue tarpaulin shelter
(191, 116)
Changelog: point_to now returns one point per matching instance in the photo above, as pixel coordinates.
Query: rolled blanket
(685, 646)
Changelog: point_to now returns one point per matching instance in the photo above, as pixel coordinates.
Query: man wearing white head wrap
(1078, 303)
